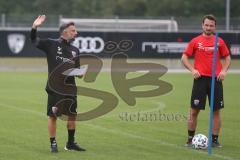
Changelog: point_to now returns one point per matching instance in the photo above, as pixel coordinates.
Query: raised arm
(37, 22)
(42, 44)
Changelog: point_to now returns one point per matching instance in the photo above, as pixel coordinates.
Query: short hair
(64, 26)
(210, 17)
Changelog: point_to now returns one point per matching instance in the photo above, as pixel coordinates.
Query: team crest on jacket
(74, 53)
(16, 42)
(59, 50)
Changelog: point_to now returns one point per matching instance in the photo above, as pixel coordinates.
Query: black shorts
(202, 88)
(61, 104)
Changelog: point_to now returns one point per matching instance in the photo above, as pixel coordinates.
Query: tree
(125, 8)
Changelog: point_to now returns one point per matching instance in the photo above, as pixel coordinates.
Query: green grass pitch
(24, 135)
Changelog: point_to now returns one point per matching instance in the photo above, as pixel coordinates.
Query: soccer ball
(200, 141)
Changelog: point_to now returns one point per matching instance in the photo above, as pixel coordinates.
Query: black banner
(105, 44)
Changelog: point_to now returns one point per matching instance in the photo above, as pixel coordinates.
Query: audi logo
(89, 44)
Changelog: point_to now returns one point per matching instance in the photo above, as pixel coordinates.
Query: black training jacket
(61, 55)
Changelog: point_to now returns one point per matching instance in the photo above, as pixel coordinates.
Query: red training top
(202, 48)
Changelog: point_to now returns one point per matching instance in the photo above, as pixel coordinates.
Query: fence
(184, 24)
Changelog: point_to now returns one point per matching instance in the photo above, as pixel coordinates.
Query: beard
(208, 33)
(71, 40)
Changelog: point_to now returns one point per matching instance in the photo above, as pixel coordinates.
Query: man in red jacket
(202, 49)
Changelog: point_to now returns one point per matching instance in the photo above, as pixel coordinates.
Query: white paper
(76, 71)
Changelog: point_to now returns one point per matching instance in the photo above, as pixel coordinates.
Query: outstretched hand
(38, 21)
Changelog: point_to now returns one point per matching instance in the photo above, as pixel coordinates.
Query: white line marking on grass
(19, 108)
(160, 106)
(160, 142)
(25, 99)
(119, 132)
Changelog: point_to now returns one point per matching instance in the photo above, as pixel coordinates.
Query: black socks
(52, 140)
(190, 135)
(214, 138)
(71, 133)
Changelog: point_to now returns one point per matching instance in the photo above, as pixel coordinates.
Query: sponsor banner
(105, 44)
(235, 49)
(164, 47)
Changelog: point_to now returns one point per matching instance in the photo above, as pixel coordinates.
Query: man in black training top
(59, 51)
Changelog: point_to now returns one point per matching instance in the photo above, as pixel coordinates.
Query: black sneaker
(216, 145)
(54, 148)
(74, 147)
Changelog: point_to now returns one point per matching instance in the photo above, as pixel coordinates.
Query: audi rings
(89, 44)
